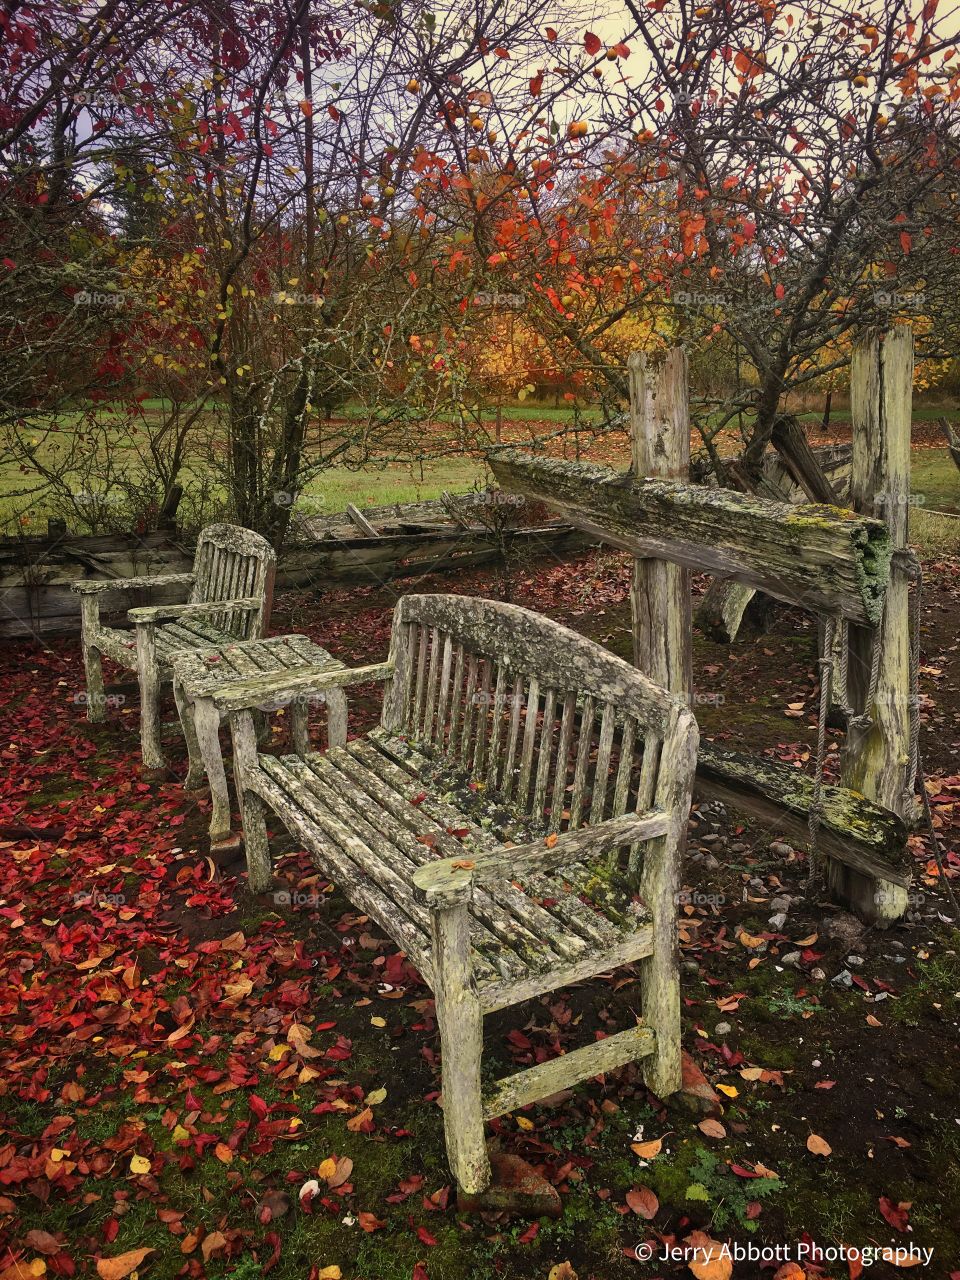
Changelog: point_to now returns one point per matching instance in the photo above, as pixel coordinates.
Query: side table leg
(196, 777)
(206, 719)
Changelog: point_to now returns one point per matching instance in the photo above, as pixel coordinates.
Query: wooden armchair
(230, 590)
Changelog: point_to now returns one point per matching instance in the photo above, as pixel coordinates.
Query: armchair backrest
(232, 563)
(564, 730)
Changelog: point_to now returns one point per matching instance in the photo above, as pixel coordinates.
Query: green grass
(935, 479)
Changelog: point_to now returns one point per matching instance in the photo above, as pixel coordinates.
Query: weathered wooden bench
(513, 824)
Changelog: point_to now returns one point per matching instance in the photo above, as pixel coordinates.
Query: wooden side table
(198, 675)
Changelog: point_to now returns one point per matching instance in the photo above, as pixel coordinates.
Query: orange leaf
(551, 840)
(707, 1259)
(647, 1150)
(120, 1266)
(818, 1146)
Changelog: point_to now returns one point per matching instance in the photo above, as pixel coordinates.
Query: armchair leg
(460, 1020)
(149, 698)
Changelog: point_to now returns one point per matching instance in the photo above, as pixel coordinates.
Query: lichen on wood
(824, 558)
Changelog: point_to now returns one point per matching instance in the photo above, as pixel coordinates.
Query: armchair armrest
(167, 612)
(281, 686)
(92, 586)
(450, 881)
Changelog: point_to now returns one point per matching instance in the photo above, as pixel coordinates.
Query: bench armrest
(450, 881)
(281, 686)
(92, 586)
(169, 612)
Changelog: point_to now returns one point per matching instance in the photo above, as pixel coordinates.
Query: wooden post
(663, 650)
(876, 761)
(660, 446)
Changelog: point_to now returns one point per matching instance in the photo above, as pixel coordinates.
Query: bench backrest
(232, 563)
(564, 730)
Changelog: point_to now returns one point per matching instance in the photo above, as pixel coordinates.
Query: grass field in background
(935, 479)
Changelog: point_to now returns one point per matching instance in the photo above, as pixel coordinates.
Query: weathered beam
(358, 519)
(862, 836)
(824, 558)
(790, 441)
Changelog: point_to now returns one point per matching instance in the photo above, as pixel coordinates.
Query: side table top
(204, 672)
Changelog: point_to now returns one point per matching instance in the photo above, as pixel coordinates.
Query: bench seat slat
(512, 931)
(603, 926)
(363, 890)
(504, 907)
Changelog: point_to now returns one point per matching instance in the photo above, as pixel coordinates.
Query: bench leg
(149, 698)
(253, 812)
(460, 1020)
(92, 664)
(255, 843)
(659, 973)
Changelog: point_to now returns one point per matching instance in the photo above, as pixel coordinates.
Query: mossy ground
(883, 1096)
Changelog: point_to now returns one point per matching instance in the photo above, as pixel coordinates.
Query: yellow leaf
(139, 1164)
(330, 1273)
(378, 1022)
(730, 1090)
(750, 940)
(524, 1124)
(180, 1134)
(375, 1097)
(327, 1169)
